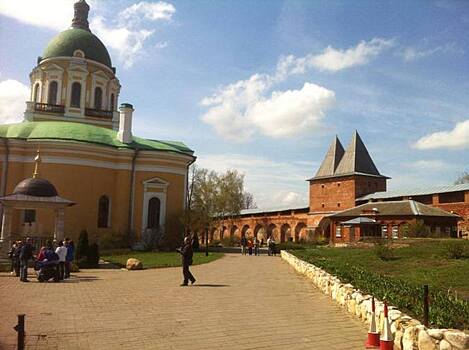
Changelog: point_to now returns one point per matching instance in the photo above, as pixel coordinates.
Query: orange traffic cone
(387, 340)
(373, 336)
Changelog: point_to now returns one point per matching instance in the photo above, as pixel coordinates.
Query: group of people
(248, 245)
(49, 263)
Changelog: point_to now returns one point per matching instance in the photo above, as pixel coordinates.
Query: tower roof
(354, 161)
(332, 159)
(78, 37)
(357, 159)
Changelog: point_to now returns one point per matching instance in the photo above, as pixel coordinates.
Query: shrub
(82, 246)
(384, 252)
(230, 241)
(446, 310)
(416, 229)
(93, 255)
(113, 240)
(454, 250)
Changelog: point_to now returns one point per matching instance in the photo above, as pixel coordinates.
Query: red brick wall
(339, 193)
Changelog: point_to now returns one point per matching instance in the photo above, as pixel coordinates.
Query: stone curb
(409, 333)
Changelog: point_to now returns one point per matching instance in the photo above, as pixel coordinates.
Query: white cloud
(13, 97)
(432, 164)
(334, 60)
(458, 138)
(409, 54)
(239, 110)
(149, 10)
(125, 34)
(273, 183)
(38, 13)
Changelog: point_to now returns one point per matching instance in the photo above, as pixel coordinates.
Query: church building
(109, 182)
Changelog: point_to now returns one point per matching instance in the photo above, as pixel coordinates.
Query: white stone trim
(99, 164)
(146, 199)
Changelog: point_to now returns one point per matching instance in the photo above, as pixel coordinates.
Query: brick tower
(343, 177)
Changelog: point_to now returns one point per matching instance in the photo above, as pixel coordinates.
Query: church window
(36, 92)
(103, 212)
(98, 98)
(111, 103)
(154, 207)
(52, 97)
(76, 95)
(29, 216)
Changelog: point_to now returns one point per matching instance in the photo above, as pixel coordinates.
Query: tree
(463, 178)
(248, 201)
(212, 195)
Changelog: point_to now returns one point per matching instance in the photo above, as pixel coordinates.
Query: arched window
(76, 95)
(154, 206)
(52, 98)
(36, 92)
(98, 98)
(103, 211)
(111, 103)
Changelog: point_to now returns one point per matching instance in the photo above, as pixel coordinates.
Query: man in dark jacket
(187, 253)
(26, 254)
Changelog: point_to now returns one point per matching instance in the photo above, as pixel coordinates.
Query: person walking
(61, 251)
(256, 246)
(11, 256)
(272, 245)
(243, 245)
(250, 245)
(269, 246)
(26, 254)
(69, 257)
(187, 254)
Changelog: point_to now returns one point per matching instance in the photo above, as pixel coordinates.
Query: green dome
(65, 44)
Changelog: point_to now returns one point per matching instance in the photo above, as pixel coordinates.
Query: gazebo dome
(35, 187)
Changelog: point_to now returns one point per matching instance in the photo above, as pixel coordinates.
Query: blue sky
(263, 86)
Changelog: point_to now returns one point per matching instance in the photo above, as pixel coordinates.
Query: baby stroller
(47, 270)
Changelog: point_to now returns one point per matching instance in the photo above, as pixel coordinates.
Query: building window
(395, 232)
(103, 212)
(322, 205)
(29, 216)
(36, 92)
(384, 231)
(338, 185)
(338, 205)
(111, 103)
(338, 231)
(52, 97)
(154, 208)
(76, 95)
(98, 98)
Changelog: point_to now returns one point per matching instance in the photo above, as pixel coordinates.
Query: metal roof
(394, 208)
(270, 210)
(358, 221)
(415, 192)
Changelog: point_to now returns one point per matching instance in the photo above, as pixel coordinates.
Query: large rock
(457, 339)
(435, 333)
(444, 345)
(425, 342)
(134, 264)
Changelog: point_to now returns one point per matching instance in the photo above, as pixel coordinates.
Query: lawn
(400, 278)
(158, 259)
(422, 262)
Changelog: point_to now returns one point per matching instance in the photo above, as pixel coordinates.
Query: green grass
(401, 276)
(158, 259)
(422, 262)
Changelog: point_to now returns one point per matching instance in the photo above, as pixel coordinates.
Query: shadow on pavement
(211, 285)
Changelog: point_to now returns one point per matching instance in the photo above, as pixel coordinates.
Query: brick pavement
(238, 302)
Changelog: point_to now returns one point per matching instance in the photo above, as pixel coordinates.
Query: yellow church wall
(85, 184)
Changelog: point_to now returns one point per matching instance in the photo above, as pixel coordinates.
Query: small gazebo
(34, 193)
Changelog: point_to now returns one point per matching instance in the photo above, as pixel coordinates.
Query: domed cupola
(78, 37)
(74, 79)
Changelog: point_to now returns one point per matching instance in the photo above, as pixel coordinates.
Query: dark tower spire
(80, 19)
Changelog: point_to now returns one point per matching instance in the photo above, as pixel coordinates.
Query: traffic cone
(372, 341)
(387, 341)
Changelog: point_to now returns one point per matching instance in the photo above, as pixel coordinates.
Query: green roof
(80, 132)
(66, 42)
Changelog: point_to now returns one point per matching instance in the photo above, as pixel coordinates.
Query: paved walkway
(238, 302)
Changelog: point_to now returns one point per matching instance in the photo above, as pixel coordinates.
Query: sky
(264, 86)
